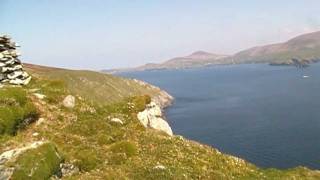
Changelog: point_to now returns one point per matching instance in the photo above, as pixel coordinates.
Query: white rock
(27, 81)
(15, 68)
(10, 62)
(5, 171)
(161, 167)
(40, 121)
(6, 156)
(144, 118)
(39, 96)
(15, 74)
(69, 101)
(16, 81)
(160, 124)
(152, 117)
(116, 120)
(35, 134)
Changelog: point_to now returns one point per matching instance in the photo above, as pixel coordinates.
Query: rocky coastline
(153, 116)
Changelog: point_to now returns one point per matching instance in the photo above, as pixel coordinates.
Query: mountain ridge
(305, 48)
(196, 59)
(302, 47)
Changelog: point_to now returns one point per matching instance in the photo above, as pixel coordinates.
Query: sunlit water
(268, 115)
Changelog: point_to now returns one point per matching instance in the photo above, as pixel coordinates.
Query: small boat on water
(306, 76)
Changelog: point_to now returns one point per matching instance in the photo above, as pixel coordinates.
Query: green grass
(94, 87)
(15, 110)
(39, 163)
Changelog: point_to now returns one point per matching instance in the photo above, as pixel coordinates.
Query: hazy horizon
(111, 34)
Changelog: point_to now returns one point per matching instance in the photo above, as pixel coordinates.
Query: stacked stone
(11, 70)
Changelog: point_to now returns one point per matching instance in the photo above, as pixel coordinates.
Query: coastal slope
(63, 126)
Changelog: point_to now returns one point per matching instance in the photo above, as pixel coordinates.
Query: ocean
(267, 115)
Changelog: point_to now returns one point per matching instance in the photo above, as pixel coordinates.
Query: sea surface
(267, 115)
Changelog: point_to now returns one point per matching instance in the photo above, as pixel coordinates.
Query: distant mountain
(196, 59)
(301, 50)
(304, 48)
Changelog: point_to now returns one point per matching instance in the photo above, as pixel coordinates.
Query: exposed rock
(5, 173)
(39, 96)
(11, 70)
(68, 169)
(69, 102)
(10, 164)
(116, 120)
(152, 117)
(40, 121)
(35, 134)
(160, 167)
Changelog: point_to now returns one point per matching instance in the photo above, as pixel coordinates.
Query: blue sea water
(268, 115)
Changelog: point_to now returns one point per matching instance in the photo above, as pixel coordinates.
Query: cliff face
(152, 116)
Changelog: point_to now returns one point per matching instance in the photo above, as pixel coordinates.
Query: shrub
(140, 102)
(87, 160)
(126, 147)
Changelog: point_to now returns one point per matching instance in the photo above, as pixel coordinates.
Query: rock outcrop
(11, 70)
(152, 117)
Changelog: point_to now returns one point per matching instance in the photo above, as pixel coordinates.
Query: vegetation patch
(16, 110)
(55, 90)
(38, 163)
(125, 147)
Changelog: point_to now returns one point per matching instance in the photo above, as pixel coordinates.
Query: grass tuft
(16, 110)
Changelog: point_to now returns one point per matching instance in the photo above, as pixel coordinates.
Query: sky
(104, 34)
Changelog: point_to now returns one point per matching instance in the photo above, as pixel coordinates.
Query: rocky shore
(153, 116)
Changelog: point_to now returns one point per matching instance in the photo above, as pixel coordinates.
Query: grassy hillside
(93, 86)
(304, 47)
(94, 147)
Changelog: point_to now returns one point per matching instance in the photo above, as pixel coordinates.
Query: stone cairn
(11, 70)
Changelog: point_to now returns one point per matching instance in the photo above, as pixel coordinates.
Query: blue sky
(101, 34)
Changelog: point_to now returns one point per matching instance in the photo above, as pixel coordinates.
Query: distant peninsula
(304, 50)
